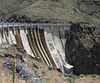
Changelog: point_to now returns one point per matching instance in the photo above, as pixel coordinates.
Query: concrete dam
(46, 41)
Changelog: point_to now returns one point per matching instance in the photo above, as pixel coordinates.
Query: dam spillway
(46, 41)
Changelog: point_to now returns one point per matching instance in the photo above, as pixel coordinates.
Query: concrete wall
(47, 42)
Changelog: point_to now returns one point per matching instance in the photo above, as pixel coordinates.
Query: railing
(31, 24)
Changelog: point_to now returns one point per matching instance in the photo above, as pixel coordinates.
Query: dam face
(46, 42)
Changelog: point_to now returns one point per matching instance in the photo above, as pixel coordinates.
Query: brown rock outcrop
(83, 44)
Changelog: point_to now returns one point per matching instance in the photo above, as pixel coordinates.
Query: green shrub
(14, 70)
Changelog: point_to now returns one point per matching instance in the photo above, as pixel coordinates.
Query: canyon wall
(83, 44)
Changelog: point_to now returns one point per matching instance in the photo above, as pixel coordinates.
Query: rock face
(83, 44)
(90, 7)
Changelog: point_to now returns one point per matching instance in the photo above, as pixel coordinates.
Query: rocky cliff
(83, 44)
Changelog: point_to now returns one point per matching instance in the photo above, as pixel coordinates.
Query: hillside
(55, 11)
(28, 68)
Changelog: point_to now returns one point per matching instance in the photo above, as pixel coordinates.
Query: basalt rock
(1, 56)
(83, 44)
(22, 70)
(9, 55)
(18, 56)
(18, 18)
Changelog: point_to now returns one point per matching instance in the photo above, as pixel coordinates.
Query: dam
(46, 41)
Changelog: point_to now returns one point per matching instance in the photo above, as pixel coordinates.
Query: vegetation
(56, 11)
(14, 70)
